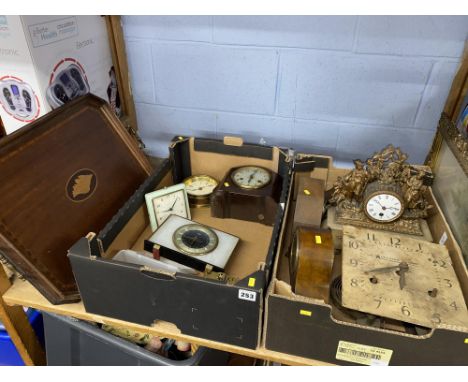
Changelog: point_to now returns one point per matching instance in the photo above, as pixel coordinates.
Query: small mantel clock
(247, 193)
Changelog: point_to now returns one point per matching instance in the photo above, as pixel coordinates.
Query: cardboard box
(47, 60)
(198, 306)
(314, 329)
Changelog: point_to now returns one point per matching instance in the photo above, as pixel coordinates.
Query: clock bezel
(383, 192)
(195, 227)
(200, 200)
(254, 187)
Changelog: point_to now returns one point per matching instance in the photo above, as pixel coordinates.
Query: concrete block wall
(337, 85)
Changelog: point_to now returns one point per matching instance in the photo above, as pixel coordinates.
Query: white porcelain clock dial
(166, 202)
(383, 207)
(251, 177)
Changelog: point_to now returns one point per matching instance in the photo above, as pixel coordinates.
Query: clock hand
(378, 203)
(403, 269)
(173, 204)
(382, 270)
(251, 176)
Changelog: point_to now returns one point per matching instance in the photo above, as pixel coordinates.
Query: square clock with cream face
(168, 201)
(198, 244)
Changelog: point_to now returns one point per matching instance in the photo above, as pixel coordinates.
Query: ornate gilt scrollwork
(455, 140)
(388, 167)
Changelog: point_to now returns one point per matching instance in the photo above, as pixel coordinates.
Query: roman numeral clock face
(383, 207)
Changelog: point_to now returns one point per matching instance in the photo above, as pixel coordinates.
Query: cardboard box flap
(62, 176)
(107, 235)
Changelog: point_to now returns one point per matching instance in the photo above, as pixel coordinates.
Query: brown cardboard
(217, 165)
(255, 237)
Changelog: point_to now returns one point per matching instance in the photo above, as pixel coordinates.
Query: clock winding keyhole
(374, 280)
(432, 292)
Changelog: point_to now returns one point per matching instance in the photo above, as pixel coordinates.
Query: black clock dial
(195, 239)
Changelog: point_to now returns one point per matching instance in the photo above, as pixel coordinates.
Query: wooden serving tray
(62, 176)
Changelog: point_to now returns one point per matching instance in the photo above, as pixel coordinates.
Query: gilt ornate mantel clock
(384, 192)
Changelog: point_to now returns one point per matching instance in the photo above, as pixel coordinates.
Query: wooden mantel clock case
(247, 193)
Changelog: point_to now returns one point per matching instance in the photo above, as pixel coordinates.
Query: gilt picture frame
(449, 162)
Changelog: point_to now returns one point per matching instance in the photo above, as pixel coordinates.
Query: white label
(53, 31)
(363, 354)
(443, 238)
(247, 295)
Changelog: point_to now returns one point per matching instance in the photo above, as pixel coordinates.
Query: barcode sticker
(363, 354)
(247, 295)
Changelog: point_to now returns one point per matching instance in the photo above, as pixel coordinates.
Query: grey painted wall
(338, 85)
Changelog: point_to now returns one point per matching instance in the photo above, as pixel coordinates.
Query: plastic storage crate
(9, 356)
(70, 342)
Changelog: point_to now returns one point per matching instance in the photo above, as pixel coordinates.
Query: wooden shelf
(23, 293)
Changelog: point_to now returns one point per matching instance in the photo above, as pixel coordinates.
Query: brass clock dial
(195, 239)
(251, 177)
(402, 278)
(199, 189)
